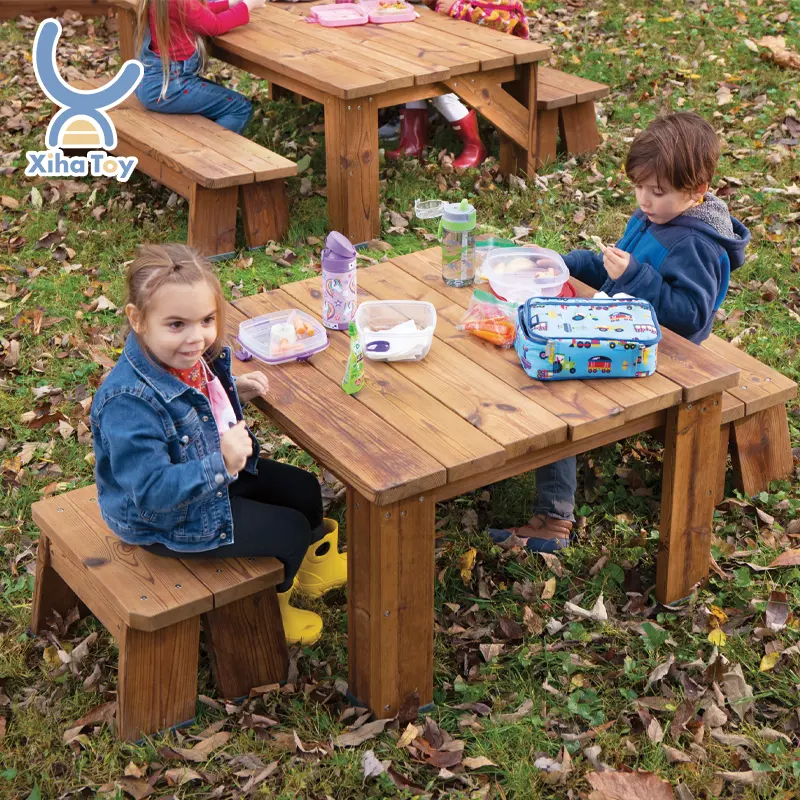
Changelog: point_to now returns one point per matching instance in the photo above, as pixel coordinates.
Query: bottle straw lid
(340, 245)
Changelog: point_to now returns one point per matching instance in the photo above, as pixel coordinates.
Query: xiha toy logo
(82, 121)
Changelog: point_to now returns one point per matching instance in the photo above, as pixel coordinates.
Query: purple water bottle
(338, 282)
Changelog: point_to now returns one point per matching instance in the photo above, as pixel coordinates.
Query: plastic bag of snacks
(490, 319)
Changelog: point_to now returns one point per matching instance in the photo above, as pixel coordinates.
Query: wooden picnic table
(354, 71)
(462, 418)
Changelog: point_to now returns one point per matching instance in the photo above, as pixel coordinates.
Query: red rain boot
(474, 152)
(413, 134)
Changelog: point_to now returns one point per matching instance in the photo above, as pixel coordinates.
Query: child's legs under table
(556, 485)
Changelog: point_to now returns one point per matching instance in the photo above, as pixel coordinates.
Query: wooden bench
(212, 168)
(565, 105)
(41, 9)
(153, 606)
(755, 428)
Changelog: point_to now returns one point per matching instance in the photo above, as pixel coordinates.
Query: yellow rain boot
(299, 626)
(324, 567)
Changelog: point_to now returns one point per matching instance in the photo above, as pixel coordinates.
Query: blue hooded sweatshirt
(682, 268)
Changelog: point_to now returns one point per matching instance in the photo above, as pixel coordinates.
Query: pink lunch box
(338, 15)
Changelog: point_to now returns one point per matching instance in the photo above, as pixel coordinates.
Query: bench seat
(213, 168)
(153, 607)
(565, 107)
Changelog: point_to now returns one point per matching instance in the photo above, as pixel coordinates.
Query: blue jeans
(188, 93)
(556, 485)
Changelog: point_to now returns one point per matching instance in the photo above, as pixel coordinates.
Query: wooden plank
(390, 601)
(578, 403)
(551, 97)
(231, 579)
(50, 591)
(388, 74)
(307, 63)
(687, 497)
(339, 432)
(583, 88)
(212, 220)
(578, 127)
(760, 386)
(246, 644)
(279, 81)
(495, 408)
(547, 455)
(524, 51)
(762, 450)
(157, 679)
(722, 463)
(42, 9)
(265, 213)
(126, 30)
(732, 408)
(121, 583)
(699, 373)
(434, 428)
(488, 98)
(351, 152)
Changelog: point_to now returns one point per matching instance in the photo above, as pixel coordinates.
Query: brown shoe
(542, 534)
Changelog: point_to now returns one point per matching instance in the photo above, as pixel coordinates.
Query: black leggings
(276, 512)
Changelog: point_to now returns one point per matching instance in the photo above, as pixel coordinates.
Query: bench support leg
(722, 463)
(762, 449)
(579, 132)
(157, 682)
(351, 136)
(246, 644)
(548, 136)
(212, 220)
(687, 497)
(264, 212)
(126, 26)
(50, 591)
(513, 157)
(390, 601)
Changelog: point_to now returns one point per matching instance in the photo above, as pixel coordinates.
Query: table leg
(513, 157)
(691, 451)
(351, 145)
(390, 601)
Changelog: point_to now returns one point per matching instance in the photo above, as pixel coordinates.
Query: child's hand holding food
(615, 261)
(252, 385)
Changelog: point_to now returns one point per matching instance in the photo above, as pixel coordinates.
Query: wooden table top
(361, 60)
(464, 410)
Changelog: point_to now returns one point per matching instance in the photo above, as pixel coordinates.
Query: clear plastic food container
(280, 337)
(396, 330)
(382, 11)
(517, 273)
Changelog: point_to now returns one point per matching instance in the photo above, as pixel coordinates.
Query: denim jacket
(158, 464)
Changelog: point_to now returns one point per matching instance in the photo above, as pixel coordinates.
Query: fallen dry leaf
(738, 692)
(675, 756)
(660, 672)
(769, 661)
(517, 715)
(779, 53)
(182, 775)
(370, 765)
(477, 762)
(409, 734)
(549, 589)
(365, 732)
(777, 611)
(202, 750)
(750, 778)
(789, 558)
(597, 613)
(466, 561)
(137, 788)
(630, 785)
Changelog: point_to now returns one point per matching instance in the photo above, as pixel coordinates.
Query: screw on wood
(60, 510)
(178, 586)
(94, 499)
(689, 407)
(703, 409)
(219, 571)
(386, 707)
(144, 597)
(357, 506)
(403, 513)
(743, 386)
(386, 613)
(421, 499)
(716, 402)
(388, 514)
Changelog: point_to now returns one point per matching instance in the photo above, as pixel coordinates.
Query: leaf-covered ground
(554, 677)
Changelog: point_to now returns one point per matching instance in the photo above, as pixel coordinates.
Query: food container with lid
(382, 11)
(280, 337)
(517, 273)
(396, 330)
(337, 15)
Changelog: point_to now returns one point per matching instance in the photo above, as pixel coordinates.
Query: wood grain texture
(351, 134)
(265, 214)
(732, 408)
(390, 601)
(231, 579)
(122, 584)
(578, 128)
(157, 680)
(339, 432)
(212, 220)
(762, 450)
(246, 643)
(581, 89)
(41, 9)
(50, 591)
(400, 403)
(722, 463)
(126, 27)
(687, 496)
(547, 146)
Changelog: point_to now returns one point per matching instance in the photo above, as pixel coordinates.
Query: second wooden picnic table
(354, 71)
(462, 418)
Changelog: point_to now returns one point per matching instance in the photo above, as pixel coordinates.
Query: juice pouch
(491, 319)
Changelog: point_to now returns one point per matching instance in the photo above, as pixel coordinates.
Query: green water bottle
(457, 237)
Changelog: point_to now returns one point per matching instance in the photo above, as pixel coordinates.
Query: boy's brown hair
(680, 149)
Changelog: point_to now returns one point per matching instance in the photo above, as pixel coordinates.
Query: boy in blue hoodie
(677, 252)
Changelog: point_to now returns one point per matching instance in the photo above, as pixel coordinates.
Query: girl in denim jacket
(177, 470)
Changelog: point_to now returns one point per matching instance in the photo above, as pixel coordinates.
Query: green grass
(671, 56)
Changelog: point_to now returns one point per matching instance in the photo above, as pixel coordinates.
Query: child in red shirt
(173, 52)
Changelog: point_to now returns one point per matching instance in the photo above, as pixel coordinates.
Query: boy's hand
(252, 385)
(236, 447)
(615, 261)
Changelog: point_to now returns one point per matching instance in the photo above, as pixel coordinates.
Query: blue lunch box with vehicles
(562, 338)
